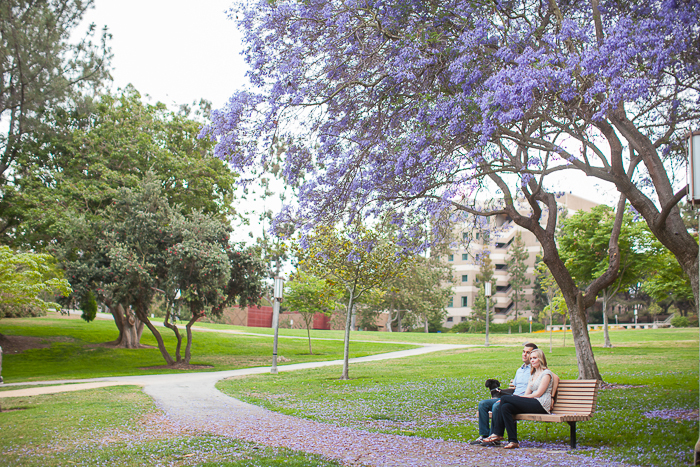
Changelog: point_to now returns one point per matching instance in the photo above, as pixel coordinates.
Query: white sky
(180, 51)
(176, 51)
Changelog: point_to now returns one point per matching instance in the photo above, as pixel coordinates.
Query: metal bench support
(572, 430)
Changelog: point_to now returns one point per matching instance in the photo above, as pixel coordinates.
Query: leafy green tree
(584, 247)
(89, 307)
(25, 279)
(517, 268)
(41, 68)
(419, 294)
(73, 175)
(106, 144)
(666, 282)
(358, 259)
(309, 295)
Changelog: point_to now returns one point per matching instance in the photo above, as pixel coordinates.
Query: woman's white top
(546, 398)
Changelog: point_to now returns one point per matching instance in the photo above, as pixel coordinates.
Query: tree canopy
(416, 107)
(26, 280)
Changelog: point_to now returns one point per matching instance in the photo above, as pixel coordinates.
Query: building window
(464, 235)
(450, 257)
(477, 235)
(464, 318)
(450, 304)
(465, 256)
(465, 277)
(449, 319)
(464, 301)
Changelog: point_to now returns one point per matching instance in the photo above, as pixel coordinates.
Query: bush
(679, 322)
(89, 307)
(479, 327)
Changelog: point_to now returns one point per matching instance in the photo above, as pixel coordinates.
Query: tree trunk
(587, 367)
(141, 313)
(425, 325)
(129, 325)
(608, 344)
(399, 323)
(188, 327)
(346, 340)
(308, 334)
(391, 314)
(178, 336)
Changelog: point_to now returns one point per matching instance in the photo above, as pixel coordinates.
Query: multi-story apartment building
(463, 259)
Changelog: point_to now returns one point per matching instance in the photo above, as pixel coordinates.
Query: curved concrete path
(192, 400)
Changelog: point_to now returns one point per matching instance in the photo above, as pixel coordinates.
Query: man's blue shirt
(521, 380)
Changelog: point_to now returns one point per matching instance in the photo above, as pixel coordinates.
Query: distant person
(521, 380)
(537, 399)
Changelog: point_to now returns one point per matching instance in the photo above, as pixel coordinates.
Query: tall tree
(419, 294)
(358, 259)
(667, 284)
(517, 269)
(584, 243)
(112, 142)
(40, 68)
(72, 175)
(416, 107)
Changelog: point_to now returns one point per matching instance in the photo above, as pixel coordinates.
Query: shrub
(679, 322)
(479, 327)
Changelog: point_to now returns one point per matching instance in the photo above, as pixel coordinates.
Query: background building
(463, 260)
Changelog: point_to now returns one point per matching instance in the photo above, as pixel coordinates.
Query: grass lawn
(75, 353)
(119, 426)
(650, 420)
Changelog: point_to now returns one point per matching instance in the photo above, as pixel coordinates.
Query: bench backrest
(575, 396)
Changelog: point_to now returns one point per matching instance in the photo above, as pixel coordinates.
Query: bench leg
(572, 430)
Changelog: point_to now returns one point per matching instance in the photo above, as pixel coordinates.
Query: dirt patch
(177, 366)
(18, 344)
(15, 409)
(113, 345)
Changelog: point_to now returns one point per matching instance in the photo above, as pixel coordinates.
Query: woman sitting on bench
(537, 399)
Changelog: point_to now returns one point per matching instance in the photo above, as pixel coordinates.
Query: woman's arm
(544, 384)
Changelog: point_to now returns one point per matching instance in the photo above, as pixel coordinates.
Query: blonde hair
(542, 359)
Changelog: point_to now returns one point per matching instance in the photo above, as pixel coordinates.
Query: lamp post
(694, 199)
(277, 294)
(530, 324)
(487, 293)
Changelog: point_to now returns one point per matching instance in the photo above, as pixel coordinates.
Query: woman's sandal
(511, 445)
(492, 440)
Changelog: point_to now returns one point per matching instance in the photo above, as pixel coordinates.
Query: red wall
(260, 316)
(321, 321)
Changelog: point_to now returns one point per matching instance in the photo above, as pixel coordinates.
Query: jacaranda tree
(416, 106)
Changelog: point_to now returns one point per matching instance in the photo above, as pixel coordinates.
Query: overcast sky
(176, 51)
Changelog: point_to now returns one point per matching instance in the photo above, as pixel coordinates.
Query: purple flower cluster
(414, 104)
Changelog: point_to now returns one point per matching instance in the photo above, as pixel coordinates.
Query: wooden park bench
(574, 401)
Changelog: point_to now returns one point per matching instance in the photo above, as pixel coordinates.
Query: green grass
(436, 396)
(119, 426)
(75, 354)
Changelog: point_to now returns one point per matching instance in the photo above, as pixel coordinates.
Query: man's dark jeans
(485, 406)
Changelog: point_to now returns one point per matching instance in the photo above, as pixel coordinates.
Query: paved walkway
(192, 400)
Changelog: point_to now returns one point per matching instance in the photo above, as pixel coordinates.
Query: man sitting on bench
(521, 380)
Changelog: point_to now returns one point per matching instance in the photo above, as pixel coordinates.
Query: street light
(487, 293)
(278, 292)
(694, 199)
